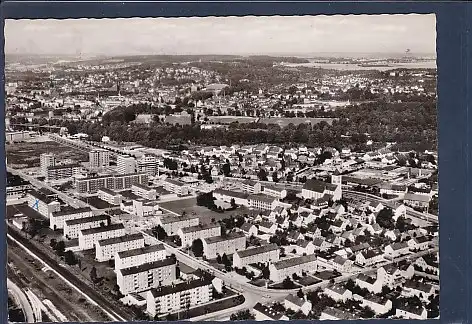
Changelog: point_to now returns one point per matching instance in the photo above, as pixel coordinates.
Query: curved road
(21, 298)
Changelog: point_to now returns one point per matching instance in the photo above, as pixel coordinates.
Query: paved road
(114, 312)
(21, 298)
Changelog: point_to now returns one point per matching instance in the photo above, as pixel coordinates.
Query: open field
(205, 215)
(231, 119)
(283, 121)
(26, 154)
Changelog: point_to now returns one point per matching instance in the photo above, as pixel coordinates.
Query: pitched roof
(257, 250)
(318, 186)
(287, 263)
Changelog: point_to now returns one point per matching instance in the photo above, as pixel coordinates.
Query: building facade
(107, 248)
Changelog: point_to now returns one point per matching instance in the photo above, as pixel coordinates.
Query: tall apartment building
(139, 256)
(46, 160)
(107, 248)
(58, 218)
(174, 298)
(189, 234)
(74, 226)
(99, 158)
(113, 182)
(146, 276)
(229, 244)
(58, 172)
(88, 237)
(125, 164)
(148, 163)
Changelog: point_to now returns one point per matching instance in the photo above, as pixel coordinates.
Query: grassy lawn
(27, 154)
(308, 280)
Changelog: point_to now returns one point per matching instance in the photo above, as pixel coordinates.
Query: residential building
(249, 229)
(74, 226)
(172, 224)
(146, 276)
(46, 160)
(144, 208)
(176, 186)
(267, 227)
(148, 163)
(338, 293)
(189, 234)
(315, 189)
(380, 305)
(395, 250)
(99, 158)
(277, 193)
(251, 187)
(261, 202)
(409, 312)
(266, 313)
(125, 164)
(176, 297)
(139, 256)
(373, 285)
(44, 202)
(297, 304)
(261, 254)
(144, 191)
(59, 172)
(416, 200)
(369, 257)
(286, 268)
(111, 197)
(112, 182)
(58, 218)
(332, 313)
(88, 237)
(219, 245)
(420, 289)
(107, 248)
(389, 275)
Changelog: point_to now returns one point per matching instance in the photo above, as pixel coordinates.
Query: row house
(380, 305)
(298, 304)
(338, 293)
(373, 285)
(369, 257)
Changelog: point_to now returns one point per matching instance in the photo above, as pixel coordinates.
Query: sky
(295, 35)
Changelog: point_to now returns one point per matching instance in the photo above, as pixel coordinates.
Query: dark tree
(197, 247)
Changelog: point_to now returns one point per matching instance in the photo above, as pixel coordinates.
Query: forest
(412, 125)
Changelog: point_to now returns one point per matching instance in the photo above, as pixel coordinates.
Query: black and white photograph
(222, 168)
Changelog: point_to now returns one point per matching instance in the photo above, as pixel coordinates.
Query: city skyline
(379, 34)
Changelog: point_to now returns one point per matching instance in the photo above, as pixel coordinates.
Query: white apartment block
(59, 172)
(262, 254)
(99, 158)
(144, 191)
(171, 224)
(74, 226)
(315, 189)
(146, 276)
(46, 160)
(107, 248)
(175, 186)
(111, 197)
(262, 202)
(179, 296)
(58, 218)
(219, 245)
(139, 256)
(251, 187)
(88, 237)
(148, 164)
(42, 203)
(189, 234)
(275, 192)
(286, 268)
(125, 164)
